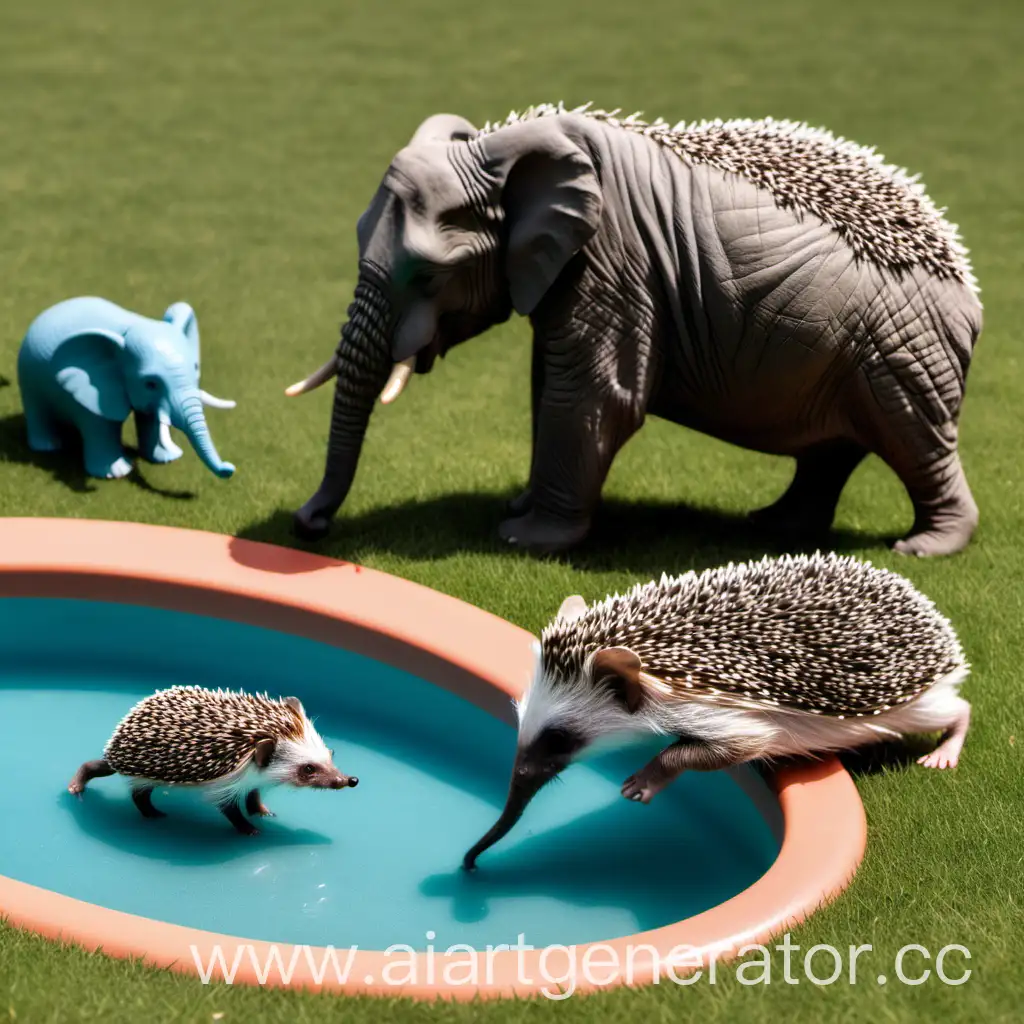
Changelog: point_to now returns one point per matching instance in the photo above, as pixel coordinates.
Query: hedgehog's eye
(309, 769)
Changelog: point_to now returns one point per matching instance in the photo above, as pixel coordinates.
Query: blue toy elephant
(88, 363)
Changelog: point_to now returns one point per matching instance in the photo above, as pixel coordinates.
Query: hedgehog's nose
(353, 781)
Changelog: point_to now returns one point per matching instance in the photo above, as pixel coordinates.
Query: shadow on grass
(65, 466)
(642, 537)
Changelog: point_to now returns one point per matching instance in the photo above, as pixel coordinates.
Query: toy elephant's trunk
(187, 415)
(363, 366)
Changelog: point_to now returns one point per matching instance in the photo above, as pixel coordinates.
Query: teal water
(372, 866)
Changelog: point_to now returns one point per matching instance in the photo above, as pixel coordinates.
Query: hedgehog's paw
(641, 788)
(945, 755)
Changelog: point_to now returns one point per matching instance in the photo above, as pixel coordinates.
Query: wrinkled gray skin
(652, 288)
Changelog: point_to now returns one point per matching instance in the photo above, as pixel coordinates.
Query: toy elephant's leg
(101, 446)
(809, 504)
(155, 444)
(40, 426)
(520, 505)
(926, 460)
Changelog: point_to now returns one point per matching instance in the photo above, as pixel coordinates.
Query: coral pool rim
(474, 654)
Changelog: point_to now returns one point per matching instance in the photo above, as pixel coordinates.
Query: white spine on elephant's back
(881, 211)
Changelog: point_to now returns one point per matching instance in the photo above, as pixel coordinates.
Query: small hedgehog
(798, 655)
(228, 744)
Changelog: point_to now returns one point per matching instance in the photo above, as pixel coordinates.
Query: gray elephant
(88, 363)
(759, 281)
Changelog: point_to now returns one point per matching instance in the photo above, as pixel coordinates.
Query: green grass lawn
(220, 153)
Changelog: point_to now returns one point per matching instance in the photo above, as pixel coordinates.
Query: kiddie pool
(413, 691)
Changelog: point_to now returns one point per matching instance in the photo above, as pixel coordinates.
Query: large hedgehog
(229, 745)
(790, 656)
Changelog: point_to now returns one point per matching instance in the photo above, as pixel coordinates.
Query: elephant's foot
(109, 470)
(941, 531)
(521, 503)
(42, 439)
(543, 536)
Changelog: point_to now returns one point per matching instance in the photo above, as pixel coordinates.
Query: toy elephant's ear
(444, 128)
(552, 201)
(97, 382)
(183, 316)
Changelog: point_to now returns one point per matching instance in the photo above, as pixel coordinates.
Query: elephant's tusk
(165, 438)
(314, 380)
(400, 375)
(214, 402)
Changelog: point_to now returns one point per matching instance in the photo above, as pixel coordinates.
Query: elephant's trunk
(187, 416)
(362, 365)
(526, 783)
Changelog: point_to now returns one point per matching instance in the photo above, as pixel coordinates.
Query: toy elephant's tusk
(400, 375)
(214, 402)
(165, 437)
(314, 380)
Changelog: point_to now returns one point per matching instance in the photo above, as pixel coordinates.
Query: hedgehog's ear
(572, 608)
(295, 704)
(619, 668)
(264, 752)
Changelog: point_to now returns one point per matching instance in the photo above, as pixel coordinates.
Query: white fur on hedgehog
(714, 629)
(192, 736)
(880, 210)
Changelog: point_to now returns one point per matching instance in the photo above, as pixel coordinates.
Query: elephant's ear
(97, 383)
(444, 128)
(182, 316)
(552, 201)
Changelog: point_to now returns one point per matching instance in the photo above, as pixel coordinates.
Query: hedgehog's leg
(687, 754)
(142, 797)
(255, 806)
(233, 813)
(947, 753)
(98, 769)
(809, 503)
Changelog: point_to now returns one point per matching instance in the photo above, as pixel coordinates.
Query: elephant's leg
(520, 505)
(101, 446)
(926, 460)
(41, 426)
(155, 444)
(578, 436)
(809, 504)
